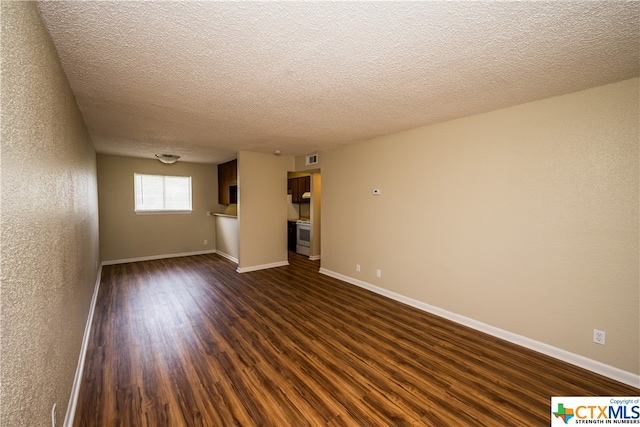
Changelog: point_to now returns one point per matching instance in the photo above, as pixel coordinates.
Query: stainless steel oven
(303, 237)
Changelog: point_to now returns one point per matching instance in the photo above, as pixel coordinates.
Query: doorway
(304, 200)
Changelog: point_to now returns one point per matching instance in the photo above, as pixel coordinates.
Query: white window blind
(161, 193)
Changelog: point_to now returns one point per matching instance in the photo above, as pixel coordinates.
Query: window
(160, 193)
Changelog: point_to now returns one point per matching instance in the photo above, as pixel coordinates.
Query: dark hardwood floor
(190, 342)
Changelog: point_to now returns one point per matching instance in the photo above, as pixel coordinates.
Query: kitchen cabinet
(299, 186)
(228, 182)
(295, 196)
(291, 235)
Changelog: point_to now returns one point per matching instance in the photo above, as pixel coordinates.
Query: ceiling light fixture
(167, 158)
(277, 152)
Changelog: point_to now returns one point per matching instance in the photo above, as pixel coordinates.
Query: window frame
(156, 211)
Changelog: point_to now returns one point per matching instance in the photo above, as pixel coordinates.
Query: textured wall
(524, 218)
(49, 224)
(125, 235)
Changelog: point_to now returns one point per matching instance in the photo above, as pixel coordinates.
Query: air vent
(311, 159)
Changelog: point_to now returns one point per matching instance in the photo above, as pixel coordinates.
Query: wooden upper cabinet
(295, 196)
(228, 182)
(298, 187)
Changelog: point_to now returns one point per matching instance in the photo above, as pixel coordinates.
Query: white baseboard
(262, 267)
(154, 257)
(314, 257)
(227, 256)
(557, 353)
(75, 388)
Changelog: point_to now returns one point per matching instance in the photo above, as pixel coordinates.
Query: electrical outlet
(599, 336)
(206, 242)
(378, 273)
(357, 267)
(53, 416)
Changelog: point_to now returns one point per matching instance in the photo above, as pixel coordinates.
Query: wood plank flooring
(190, 342)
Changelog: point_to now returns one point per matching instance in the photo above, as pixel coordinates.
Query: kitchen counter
(224, 215)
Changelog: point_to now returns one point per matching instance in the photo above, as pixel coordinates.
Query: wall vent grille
(311, 159)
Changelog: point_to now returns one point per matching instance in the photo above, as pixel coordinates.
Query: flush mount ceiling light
(167, 158)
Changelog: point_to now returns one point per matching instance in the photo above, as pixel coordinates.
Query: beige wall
(525, 219)
(49, 224)
(262, 208)
(227, 237)
(125, 235)
(316, 217)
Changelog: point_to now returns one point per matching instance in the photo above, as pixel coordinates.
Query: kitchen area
(226, 243)
(302, 201)
(303, 213)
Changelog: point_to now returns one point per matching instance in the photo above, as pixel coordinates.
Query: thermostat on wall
(376, 192)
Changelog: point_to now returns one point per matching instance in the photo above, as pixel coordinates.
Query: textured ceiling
(204, 79)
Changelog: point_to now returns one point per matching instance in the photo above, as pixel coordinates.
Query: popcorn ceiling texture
(49, 224)
(204, 79)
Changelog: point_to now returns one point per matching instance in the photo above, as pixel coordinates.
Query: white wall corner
(262, 266)
(227, 256)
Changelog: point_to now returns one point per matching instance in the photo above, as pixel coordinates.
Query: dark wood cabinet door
(223, 194)
(227, 177)
(297, 187)
(304, 186)
(291, 236)
(295, 192)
